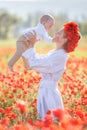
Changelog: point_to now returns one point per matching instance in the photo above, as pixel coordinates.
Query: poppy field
(18, 93)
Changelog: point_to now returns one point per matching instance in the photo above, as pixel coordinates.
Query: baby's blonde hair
(46, 18)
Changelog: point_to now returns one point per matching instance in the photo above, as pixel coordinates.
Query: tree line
(11, 25)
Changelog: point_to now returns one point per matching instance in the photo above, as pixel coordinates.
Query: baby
(22, 44)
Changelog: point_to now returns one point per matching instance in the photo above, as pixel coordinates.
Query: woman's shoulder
(61, 53)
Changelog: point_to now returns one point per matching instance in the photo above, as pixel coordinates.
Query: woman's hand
(32, 39)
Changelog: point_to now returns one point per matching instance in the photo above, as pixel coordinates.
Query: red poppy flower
(59, 113)
(22, 105)
(47, 120)
(21, 127)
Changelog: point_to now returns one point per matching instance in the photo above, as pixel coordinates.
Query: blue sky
(73, 8)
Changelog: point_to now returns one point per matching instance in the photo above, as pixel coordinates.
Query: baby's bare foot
(10, 67)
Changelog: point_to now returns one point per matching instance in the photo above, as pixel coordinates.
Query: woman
(52, 66)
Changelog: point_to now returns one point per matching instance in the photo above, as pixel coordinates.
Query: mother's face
(60, 38)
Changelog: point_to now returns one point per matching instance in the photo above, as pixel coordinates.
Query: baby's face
(49, 24)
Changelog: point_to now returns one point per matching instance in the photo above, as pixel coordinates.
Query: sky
(73, 8)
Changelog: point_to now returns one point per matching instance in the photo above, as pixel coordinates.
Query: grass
(81, 50)
(7, 43)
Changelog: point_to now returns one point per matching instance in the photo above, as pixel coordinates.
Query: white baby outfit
(41, 33)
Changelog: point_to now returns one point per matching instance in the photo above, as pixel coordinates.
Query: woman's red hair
(71, 30)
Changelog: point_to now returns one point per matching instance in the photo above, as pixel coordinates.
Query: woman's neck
(57, 48)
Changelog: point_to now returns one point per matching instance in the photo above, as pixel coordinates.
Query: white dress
(51, 66)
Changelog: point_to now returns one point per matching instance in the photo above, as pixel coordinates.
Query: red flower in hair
(72, 31)
(71, 26)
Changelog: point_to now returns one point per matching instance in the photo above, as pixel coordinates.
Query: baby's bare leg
(20, 48)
